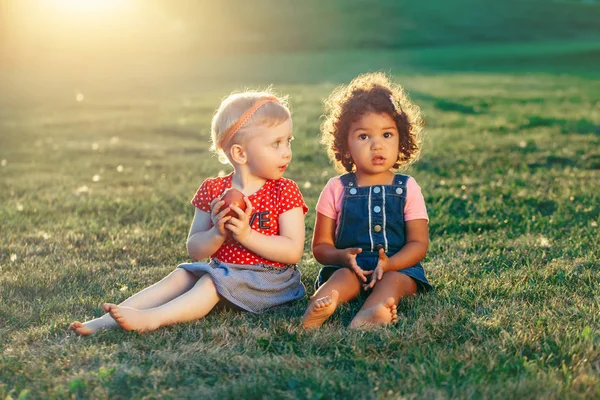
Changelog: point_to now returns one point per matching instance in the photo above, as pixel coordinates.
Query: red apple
(233, 196)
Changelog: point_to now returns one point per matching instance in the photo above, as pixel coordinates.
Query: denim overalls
(373, 217)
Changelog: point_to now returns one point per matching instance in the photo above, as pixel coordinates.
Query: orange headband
(243, 119)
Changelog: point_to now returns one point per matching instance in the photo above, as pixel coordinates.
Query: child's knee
(182, 277)
(398, 279)
(345, 273)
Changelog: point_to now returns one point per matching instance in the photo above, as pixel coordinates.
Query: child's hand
(379, 270)
(218, 217)
(240, 225)
(350, 258)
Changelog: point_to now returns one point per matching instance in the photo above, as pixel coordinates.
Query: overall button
(377, 209)
(399, 190)
(376, 189)
(377, 228)
(352, 191)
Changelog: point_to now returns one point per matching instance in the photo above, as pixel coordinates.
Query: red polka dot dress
(244, 278)
(274, 198)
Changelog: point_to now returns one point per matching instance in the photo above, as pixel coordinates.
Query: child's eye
(388, 135)
(276, 144)
(362, 136)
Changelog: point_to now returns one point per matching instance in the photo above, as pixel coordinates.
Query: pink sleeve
(414, 208)
(291, 197)
(330, 200)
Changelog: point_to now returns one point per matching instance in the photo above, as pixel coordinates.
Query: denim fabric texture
(372, 218)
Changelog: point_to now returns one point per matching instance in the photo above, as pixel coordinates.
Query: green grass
(510, 173)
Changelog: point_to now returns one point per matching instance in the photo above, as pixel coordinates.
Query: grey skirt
(253, 287)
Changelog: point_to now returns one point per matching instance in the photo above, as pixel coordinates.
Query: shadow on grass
(591, 162)
(448, 105)
(579, 126)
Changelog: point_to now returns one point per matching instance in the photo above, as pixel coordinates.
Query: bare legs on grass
(179, 297)
(343, 285)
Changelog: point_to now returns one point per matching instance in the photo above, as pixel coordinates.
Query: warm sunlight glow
(74, 29)
(97, 8)
(75, 37)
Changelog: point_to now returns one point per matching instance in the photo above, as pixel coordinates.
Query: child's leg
(173, 285)
(342, 286)
(191, 305)
(380, 306)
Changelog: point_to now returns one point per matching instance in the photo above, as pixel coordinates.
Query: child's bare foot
(131, 319)
(319, 310)
(382, 314)
(93, 326)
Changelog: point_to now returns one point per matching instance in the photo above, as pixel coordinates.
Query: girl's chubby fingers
(361, 276)
(371, 284)
(223, 214)
(221, 222)
(216, 204)
(248, 206)
(355, 250)
(360, 272)
(382, 255)
(240, 214)
(216, 211)
(231, 227)
(232, 223)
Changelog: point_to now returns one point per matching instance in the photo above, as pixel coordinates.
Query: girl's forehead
(268, 132)
(372, 118)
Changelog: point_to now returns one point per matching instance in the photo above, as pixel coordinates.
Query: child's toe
(390, 302)
(75, 325)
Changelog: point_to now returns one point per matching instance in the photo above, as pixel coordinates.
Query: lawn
(95, 195)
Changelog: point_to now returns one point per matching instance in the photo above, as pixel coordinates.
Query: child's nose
(287, 153)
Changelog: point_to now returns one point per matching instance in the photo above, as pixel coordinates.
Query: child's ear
(238, 154)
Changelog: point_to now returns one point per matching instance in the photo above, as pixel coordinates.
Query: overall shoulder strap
(348, 179)
(401, 179)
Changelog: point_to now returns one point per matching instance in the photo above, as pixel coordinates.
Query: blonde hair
(233, 107)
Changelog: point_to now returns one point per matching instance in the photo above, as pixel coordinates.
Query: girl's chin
(379, 167)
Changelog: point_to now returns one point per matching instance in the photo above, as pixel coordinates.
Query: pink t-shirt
(330, 201)
(274, 198)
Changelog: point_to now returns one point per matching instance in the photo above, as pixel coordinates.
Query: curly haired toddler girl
(371, 231)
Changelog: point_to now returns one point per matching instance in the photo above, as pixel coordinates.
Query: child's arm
(285, 248)
(325, 252)
(415, 248)
(206, 236)
(413, 251)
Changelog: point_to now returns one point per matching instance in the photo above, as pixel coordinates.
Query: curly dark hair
(373, 92)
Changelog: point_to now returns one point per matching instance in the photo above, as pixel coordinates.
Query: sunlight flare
(89, 7)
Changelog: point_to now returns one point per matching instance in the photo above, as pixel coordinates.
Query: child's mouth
(378, 160)
(283, 168)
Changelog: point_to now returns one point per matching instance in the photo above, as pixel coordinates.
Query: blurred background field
(105, 109)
